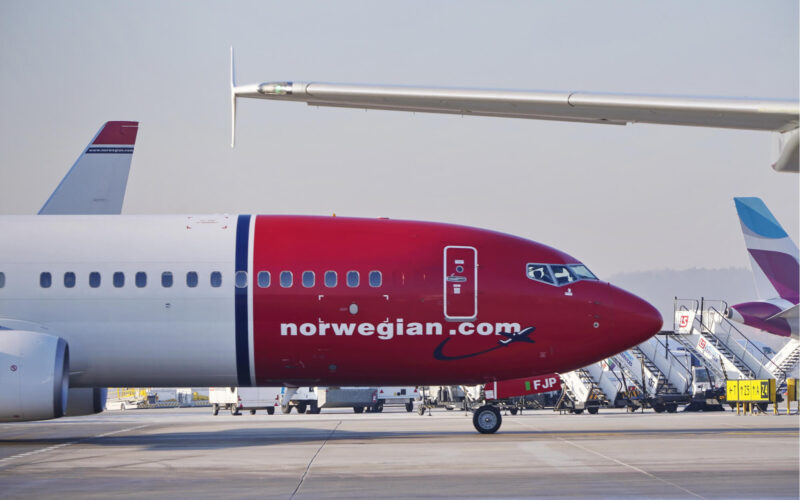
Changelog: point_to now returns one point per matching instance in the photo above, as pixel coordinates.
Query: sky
(620, 199)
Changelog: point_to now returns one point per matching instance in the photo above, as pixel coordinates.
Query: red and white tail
(96, 182)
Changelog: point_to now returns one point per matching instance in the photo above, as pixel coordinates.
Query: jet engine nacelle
(86, 401)
(34, 376)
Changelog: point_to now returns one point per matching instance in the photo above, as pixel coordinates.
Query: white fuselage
(128, 335)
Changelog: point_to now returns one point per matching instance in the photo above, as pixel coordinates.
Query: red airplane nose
(635, 319)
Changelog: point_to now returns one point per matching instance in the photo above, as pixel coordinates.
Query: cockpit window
(559, 274)
(582, 272)
(562, 274)
(540, 272)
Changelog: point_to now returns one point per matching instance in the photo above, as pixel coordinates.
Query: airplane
(774, 264)
(89, 301)
(523, 336)
(774, 115)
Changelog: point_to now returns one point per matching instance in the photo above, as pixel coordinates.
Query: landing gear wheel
(301, 408)
(252, 412)
(593, 410)
(215, 409)
(410, 406)
(235, 410)
(286, 409)
(487, 419)
(271, 410)
(512, 411)
(358, 409)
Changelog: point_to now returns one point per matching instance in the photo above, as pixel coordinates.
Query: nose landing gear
(487, 419)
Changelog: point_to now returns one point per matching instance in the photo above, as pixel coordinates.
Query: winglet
(233, 102)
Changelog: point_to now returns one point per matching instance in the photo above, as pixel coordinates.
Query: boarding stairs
(655, 382)
(786, 359)
(674, 371)
(695, 339)
(605, 380)
(740, 347)
(718, 339)
(580, 388)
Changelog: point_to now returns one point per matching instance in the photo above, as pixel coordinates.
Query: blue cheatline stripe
(242, 352)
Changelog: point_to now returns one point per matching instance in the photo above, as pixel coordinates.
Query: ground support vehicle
(314, 399)
(125, 398)
(241, 399)
(405, 396)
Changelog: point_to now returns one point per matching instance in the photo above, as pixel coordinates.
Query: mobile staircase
(730, 351)
(646, 385)
(786, 359)
(583, 389)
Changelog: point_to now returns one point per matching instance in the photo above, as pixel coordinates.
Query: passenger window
(94, 279)
(69, 279)
(286, 279)
(308, 279)
(352, 279)
(45, 280)
(119, 279)
(216, 279)
(375, 279)
(263, 279)
(141, 279)
(2, 280)
(166, 279)
(562, 275)
(241, 279)
(540, 272)
(330, 279)
(191, 279)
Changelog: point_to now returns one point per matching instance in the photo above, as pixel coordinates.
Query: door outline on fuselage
(446, 279)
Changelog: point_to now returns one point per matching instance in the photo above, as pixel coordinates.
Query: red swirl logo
(13, 368)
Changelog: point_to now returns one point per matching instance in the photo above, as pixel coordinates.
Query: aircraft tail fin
(96, 182)
(773, 255)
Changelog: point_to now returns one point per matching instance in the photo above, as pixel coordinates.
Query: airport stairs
(579, 387)
(674, 370)
(786, 359)
(722, 347)
(606, 381)
(735, 345)
(658, 383)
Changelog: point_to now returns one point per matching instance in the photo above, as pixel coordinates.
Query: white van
(240, 399)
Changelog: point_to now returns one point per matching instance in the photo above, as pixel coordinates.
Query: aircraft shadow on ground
(273, 436)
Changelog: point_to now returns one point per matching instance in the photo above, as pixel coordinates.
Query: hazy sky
(620, 199)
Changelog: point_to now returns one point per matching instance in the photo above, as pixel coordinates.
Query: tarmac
(188, 453)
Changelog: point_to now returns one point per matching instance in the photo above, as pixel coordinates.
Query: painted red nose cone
(641, 320)
(636, 318)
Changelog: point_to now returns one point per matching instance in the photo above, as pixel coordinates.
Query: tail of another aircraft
(96, 182)
(773, 255)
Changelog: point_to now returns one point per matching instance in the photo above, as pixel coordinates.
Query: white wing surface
(591, 107)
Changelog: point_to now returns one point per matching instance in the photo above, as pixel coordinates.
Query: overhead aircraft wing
(775, 115)
(96, 182)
